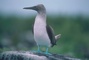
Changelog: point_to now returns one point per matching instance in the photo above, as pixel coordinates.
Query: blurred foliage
(74, 29)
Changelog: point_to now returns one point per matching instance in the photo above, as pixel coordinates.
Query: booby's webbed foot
(47, 52)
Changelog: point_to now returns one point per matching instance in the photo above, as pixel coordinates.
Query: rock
(26, 55)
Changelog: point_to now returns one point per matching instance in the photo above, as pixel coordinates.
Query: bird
(43, 33)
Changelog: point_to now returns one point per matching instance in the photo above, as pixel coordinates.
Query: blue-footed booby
(43, 33)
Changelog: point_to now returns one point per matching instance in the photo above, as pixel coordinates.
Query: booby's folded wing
(33, 29)
(51, 35)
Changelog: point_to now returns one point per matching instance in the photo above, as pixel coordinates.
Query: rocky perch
(27, 55)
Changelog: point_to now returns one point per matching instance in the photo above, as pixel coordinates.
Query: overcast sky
(52, 6)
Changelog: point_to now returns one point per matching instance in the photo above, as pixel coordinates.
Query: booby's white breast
(40, 33)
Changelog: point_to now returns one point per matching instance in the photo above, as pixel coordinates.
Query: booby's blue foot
(47, 52)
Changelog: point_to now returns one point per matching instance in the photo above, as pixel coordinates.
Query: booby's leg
(47, 51)
(38, 49)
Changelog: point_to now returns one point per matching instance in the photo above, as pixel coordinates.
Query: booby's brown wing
(51, 35)
(32, 29)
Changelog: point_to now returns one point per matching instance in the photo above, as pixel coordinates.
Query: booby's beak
(33, 8)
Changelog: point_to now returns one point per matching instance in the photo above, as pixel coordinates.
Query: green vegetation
(74, 29)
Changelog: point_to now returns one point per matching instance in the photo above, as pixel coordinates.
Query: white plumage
(40, 33)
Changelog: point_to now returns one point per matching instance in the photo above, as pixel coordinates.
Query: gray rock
(26, 55)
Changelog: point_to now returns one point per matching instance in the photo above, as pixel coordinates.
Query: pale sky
(52, 6)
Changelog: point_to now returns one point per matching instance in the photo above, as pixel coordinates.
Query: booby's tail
(57, 36)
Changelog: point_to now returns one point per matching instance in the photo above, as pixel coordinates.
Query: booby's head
(38, 8)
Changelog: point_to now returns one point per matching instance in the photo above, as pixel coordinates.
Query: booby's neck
(41, 17)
